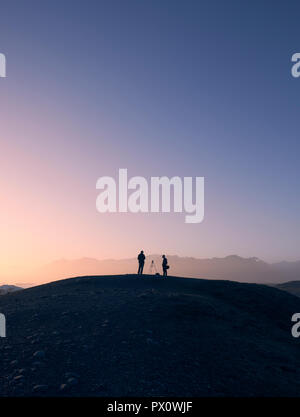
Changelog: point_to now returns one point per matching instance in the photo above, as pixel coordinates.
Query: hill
(293, 287)
(133, 336)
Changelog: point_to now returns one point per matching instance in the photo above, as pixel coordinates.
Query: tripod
(152, 268)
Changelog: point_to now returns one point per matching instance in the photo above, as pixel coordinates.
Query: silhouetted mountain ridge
(4, 289)
(232, 267)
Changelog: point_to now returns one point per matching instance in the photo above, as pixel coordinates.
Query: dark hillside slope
(293, 287)
(131, 336)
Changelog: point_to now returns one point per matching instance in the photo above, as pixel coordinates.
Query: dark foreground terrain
(131, 336)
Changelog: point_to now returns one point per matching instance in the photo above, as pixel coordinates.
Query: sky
(185, 88)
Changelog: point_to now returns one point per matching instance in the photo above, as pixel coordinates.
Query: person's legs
(139, 271)
(142, 268)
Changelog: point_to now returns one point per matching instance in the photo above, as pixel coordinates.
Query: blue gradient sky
(199, 88)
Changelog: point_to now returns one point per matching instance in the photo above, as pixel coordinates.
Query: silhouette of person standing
(141, 258)
(165, 266)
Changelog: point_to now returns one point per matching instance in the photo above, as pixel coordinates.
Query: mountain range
(4, 289)
(231, 267)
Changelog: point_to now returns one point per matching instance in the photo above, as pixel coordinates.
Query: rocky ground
(133, 336)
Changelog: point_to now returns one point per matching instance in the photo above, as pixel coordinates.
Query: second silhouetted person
(165, 266)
